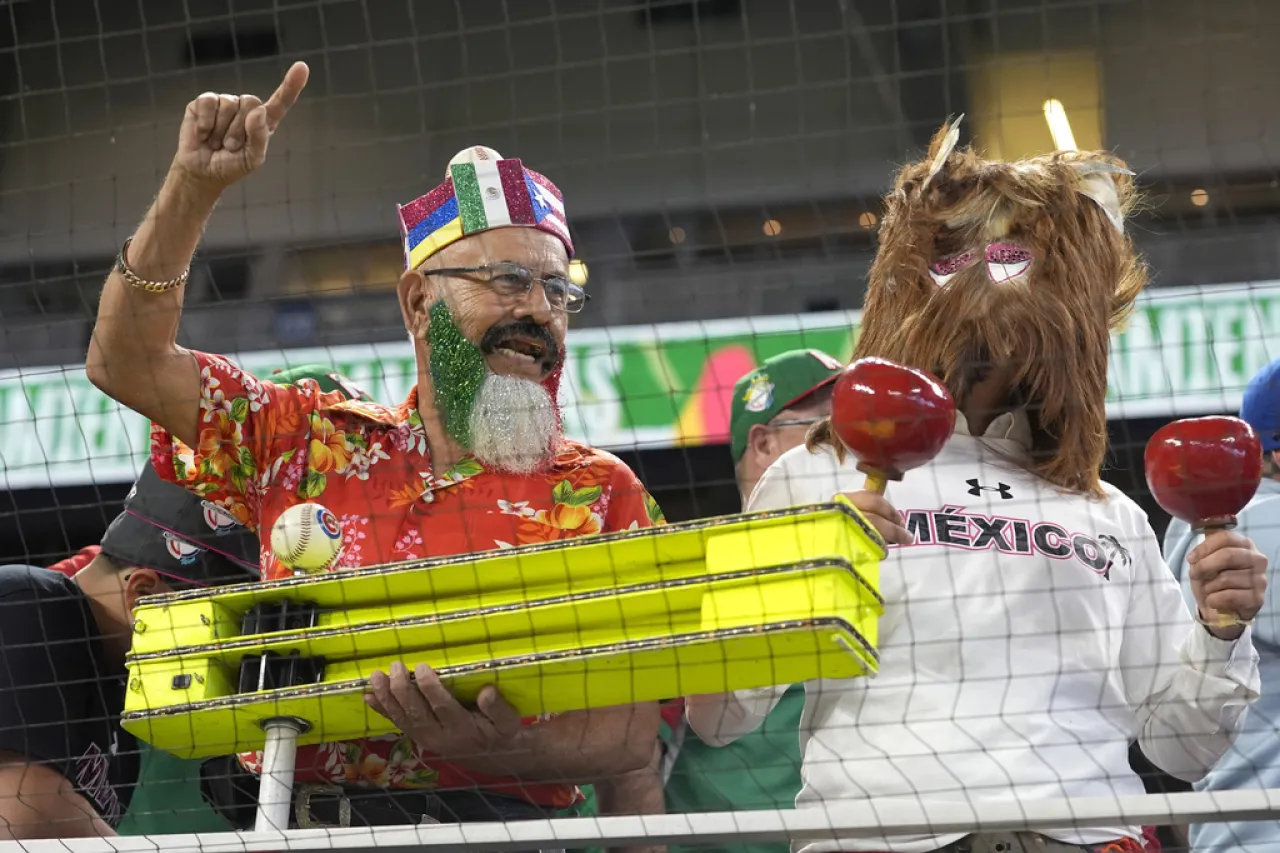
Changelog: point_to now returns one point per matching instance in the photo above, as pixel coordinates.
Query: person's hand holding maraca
(1203, 471)
(892, 419)
(1228, 579)
(876, 508)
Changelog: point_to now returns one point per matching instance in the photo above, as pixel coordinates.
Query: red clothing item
(77, 561)
(265, 447)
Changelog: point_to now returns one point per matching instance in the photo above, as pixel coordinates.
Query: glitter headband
(481, 191)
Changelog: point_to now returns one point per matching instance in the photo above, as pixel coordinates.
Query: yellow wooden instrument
(729, 603)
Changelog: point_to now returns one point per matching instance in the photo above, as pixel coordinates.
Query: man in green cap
(772, 409)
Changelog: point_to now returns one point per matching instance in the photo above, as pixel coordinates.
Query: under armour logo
(976, 489)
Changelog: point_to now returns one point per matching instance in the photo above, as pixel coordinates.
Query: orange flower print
(280, 422)
(406, 495)
(570, 516)
(329, 452)
(594, 474)
(577, 520)
(370, 769)
(220, 443)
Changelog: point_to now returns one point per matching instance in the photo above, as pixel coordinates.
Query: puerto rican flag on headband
(548, 205)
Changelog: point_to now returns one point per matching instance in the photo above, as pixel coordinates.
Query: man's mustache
(497, 335)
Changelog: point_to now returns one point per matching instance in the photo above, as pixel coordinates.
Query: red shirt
(265, 447)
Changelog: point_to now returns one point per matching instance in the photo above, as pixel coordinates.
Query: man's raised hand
(224, 137)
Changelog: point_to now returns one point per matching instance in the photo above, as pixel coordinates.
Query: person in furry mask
(1031, 629)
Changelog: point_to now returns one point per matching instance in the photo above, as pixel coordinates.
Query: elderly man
(474, 459)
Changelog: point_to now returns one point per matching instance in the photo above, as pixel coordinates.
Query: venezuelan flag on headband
(481, 191)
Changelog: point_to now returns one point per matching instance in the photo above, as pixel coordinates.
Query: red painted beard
(551, 382)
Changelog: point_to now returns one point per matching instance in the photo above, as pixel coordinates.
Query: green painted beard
(458, 370)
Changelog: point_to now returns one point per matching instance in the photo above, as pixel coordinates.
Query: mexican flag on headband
(494, 193)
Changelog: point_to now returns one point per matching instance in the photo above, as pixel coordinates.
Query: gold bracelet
(122, 267)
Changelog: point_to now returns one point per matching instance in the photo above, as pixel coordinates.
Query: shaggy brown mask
(1051, 326)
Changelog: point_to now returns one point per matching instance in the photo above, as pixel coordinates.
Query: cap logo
(759, 394)
(181, 550)
(218, 519)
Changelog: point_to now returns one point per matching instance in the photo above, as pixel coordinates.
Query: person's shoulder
(335, 406)
(801, 459)
(575, 454)
(18, 581)
(802, 476)
(1125, 507)
(1260, 518)
(40, 606)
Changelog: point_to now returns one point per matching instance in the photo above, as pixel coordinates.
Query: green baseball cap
(328, 378)
(775, 385)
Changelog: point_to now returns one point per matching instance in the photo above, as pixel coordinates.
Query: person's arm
(719, 719)
(580, 745)
(36, 801)
(1260, 522)
(490, 739)
(1189, 689)
(637, 792)
(133, 354)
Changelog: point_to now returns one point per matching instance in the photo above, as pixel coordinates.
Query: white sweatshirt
(1028, 637)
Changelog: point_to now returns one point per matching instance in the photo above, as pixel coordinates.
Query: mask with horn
(1015, 274)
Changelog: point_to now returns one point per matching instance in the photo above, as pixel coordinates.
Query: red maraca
(892, 418)
(1203, 471)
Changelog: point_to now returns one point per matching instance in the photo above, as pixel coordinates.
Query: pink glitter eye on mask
(1006, 262)
(944, 269)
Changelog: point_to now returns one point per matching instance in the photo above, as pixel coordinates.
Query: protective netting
(722, 165)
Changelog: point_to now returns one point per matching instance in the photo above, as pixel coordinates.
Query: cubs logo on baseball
(328, 523)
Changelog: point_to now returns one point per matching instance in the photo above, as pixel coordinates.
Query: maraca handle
(875, 483)
(1224, 620)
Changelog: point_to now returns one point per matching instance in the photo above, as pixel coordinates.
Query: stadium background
(721, 161)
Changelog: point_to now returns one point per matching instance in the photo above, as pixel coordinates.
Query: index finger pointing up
(284, 97)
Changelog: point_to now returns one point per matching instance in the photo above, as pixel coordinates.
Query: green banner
(1186, 351)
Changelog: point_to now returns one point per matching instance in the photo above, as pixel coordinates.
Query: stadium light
(1056, 116)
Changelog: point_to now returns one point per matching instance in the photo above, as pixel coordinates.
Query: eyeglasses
(795, 422)
(514, 280)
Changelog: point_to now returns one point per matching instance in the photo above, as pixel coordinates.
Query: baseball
(307, 538)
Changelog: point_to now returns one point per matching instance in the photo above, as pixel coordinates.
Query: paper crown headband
(1095, 183)
(480, 191)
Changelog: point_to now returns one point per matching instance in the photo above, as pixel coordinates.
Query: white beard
(513, 424)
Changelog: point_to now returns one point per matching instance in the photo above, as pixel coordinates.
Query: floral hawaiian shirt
(265, 447)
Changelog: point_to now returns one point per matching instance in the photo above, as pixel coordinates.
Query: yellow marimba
(730, 603)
